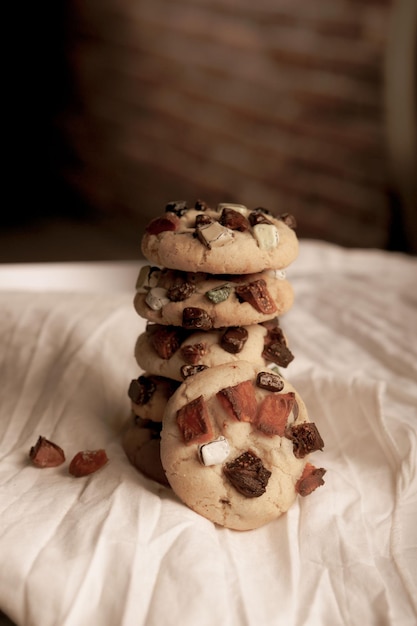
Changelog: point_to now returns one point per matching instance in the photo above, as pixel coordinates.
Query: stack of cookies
(213, 416)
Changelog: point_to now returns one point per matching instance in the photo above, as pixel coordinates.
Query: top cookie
(231, 239)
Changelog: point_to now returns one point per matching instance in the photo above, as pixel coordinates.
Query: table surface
(116, 548)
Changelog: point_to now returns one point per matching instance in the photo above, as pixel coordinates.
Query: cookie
(230, 239)
(176, 353)
(141, 443)
(149, 394)
(235, 443)
(167, 296)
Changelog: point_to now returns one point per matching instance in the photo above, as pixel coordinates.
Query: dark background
(119, 107)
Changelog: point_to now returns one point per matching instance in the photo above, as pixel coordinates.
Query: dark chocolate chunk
(261, 209)
(196, 318)
(305, 439)
(200, 205)
(165, 339)
(257, 294)
(141, 390)
(190, 370)
(233, 339)
(202, 220)
(247, 475)
(192, 353)
(275, 345)
(180, 291)
(278, 353)
(179, 207)
(234, 220)
(289, 220)
(258, 217)
(270, 381)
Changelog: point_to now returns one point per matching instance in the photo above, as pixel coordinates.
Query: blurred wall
(276, 103)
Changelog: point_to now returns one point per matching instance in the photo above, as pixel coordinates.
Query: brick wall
(275, 103)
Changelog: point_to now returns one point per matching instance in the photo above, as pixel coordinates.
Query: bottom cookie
(235, 442)
(141, 443)
(149, 395)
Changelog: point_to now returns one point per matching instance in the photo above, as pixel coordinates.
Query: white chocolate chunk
(266, 235)
(240, 208)
(157, 298)
(148, 278)
(214, 452)
(214, 235)
(277, 274)
(280, 274)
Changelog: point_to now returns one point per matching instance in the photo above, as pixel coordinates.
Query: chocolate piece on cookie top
(305, 438)
(257, 294)
(194, 422)
(247, 475)
(234, 338)
(179, 207)
(195, 318)
(191, 370)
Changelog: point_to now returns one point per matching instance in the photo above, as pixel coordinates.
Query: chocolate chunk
(200, 205)
(247, 475)
(193, 422)
(193, 353)
(305, 439)
(195, 318)
(257, 294)
(270, 381)
(179, 207)
(311, 478)
(165, 339)
(214, 235)
(203, 220)
(261, 209)
(239, 401)
(275, 345)
(180, 291)
(233, 339)
(289, 220)
(278, 353)
(161, 224)
(190, 370)
(141, 390)
(258, 217)
(234, 220)
(273, 413)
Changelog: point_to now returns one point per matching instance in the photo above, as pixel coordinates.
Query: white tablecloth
(116, 548)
